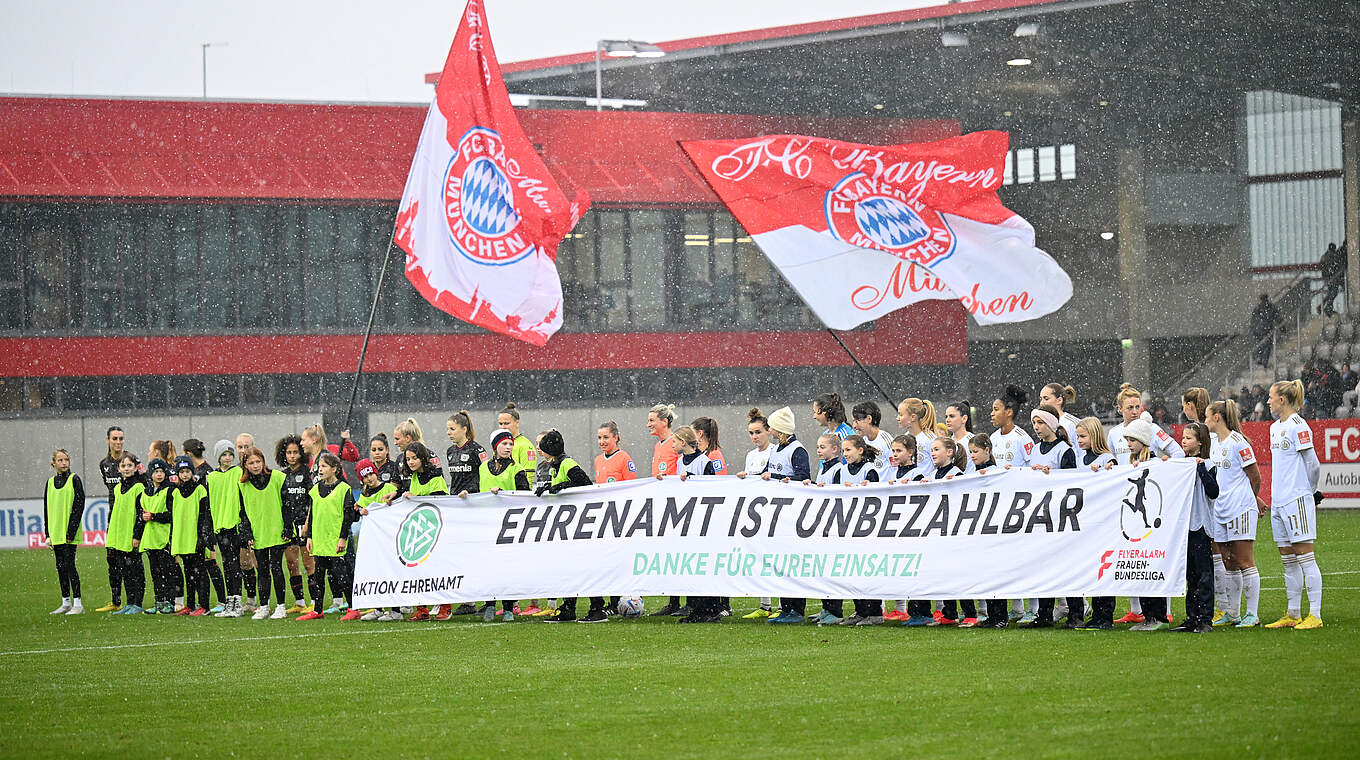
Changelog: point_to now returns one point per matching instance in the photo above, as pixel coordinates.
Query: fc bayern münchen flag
(481, 217)
(863, 230)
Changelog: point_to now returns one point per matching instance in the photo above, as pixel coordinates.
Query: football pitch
(142, 686)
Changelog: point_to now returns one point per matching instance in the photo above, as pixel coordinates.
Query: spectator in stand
(1332, 389)
(1264, 320)
(1256, 402)
(1333, 265)
(1349, 378)
(1314, 377)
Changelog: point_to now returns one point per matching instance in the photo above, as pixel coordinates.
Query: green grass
(144, 686)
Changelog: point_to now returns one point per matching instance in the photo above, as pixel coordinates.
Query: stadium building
(196, 268)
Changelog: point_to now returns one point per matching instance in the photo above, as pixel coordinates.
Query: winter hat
(782, 420)
(497, 436)
(221, 446)
(183, 463)
(158, 464)
(366, 467)
(1146, 416)
(1139, 430)
(552, 444)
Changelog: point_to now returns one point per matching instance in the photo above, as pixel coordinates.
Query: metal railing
(1296, 301)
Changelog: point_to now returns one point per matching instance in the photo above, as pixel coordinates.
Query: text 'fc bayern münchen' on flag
(481, 218)
(863, 230)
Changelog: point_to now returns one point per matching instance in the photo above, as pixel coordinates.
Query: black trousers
(214, 575)
(1102, 609)
(869, 607)
(950, 608)
(568, 605)
(269, 565)
(196, 580)
(229, 546)
(126, 575)
(789, 604)
(67, 576)
(834, 606)
(1154, 607)
(918, 607)
(997, 609)
(1076, 608)
(163, 574)
(705, 605)
(338, 569)
(1199, 579)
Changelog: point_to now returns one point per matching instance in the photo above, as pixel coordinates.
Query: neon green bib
(60, 501)
(328, 517)
(563, 467)
(156, 535)
(431, 486)
(123, 516)
(366, 501)
(504, 481)
(184, 520)
(224, 498)
(264, 507)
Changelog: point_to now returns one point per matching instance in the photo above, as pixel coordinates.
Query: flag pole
(368, 331)
(862, 368)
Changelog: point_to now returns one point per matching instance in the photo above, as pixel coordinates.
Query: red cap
(366, 468)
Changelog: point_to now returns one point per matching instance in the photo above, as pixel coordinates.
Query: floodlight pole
(599, 77)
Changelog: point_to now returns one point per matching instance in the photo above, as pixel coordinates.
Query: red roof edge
(792, 30)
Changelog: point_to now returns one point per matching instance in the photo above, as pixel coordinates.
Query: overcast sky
(342, 50)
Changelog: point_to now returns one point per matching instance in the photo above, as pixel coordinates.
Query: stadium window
(319, 265)
(354, 249)
(11, 303)
(1008, 175)
(246, 261)
(1048, 163)
(213, 273)
(1024, 166)
(1067, 159)
(611, 269)
(647, 260)
(11, 394)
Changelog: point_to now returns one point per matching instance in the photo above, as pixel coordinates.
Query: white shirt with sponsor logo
(1289, 438)
(883, 462)
(923, 441)
(756, 459)
(1231, 457)
(1013, 448)
(968, 466)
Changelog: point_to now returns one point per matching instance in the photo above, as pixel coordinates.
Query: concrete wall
(26, 445)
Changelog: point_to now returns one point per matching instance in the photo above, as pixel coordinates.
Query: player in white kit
(758, 428)
(1293, 509)
(1011, 447)
(1061, 396)
(1234, 512)
(1195, 405)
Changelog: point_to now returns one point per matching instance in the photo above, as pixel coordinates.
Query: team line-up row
(182, 512)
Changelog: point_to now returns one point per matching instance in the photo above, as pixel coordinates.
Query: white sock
(1293, 584)
(1251, 588)
(1135, 605)
(1312, 581)
(1018, 606)
(77, 603)
(1232, 605)
(1031, 606)
(1220, 581)
(179, 601)
(765, 602)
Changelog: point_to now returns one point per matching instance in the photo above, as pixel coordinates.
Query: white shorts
(1240, 528)
(1295, 522)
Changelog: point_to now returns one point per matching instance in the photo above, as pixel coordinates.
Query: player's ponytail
(923, 410)
(1291, 391)
(664, 412)
(463, 419)
(410, 429)
(1199, 399)
(755, 415)
(831, 406)
(1228, 411)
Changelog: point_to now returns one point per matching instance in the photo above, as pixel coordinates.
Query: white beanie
(782, 420)
(221, 446)
(1139, 430)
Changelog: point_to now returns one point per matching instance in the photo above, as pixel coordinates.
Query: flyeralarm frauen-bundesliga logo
(418, 534)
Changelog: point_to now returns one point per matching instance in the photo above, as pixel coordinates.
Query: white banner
(1008, 534)
(21, 522)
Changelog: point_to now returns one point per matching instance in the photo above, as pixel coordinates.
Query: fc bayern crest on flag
(870, 213)
(479, 201)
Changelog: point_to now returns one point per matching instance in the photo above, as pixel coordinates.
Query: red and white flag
(863, 230)
(481, 217)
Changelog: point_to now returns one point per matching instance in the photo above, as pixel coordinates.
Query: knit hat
(552, 444)
(366, 467)
(183, 463)
(221, 446)
(498, 436)
(1139, 430)
(158, 464)
(782, 420)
